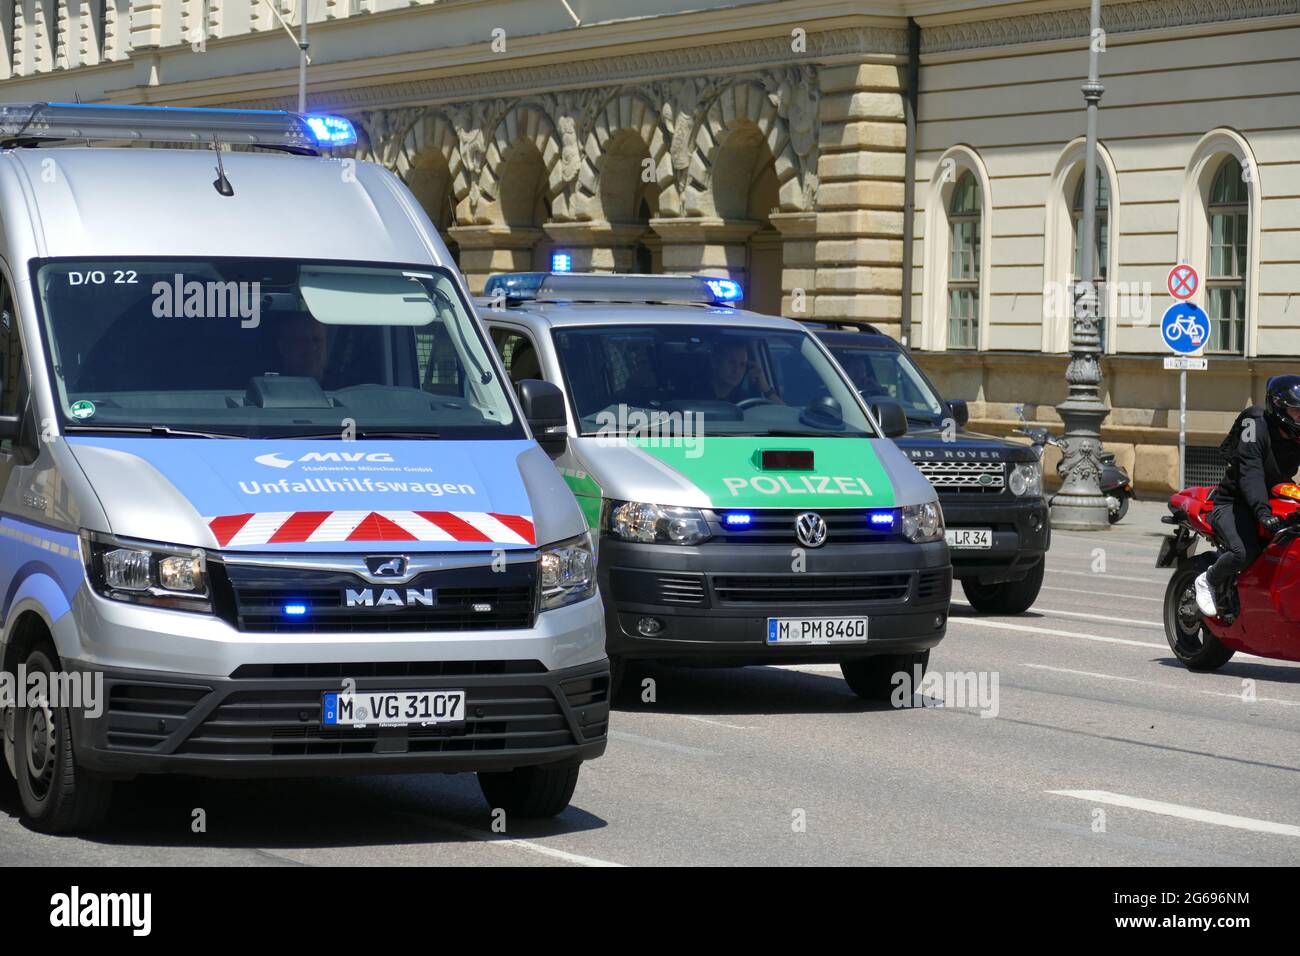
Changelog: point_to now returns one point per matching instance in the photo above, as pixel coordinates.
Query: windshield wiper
(359, 434)
(160, 431)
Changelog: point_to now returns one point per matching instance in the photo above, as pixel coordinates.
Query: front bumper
(1022, 533)
(713, 601)
(265, 720)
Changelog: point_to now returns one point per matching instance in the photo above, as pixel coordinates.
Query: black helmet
(1282, 393)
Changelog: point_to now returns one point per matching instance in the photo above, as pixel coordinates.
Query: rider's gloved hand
(1271, 523)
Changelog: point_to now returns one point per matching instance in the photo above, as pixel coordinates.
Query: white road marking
(511, 843)
(984, 622)
(1109, 574)
(662, 744)
(1087, 617)
(1151, 683)
(1184, 812)
(1129, 597)
(702, 720)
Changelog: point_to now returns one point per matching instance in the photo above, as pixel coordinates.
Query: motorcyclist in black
(1263, 449)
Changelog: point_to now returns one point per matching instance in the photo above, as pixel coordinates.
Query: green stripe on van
(846, 472)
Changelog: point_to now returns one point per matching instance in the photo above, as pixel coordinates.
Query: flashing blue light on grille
(725, 290)
(561, 262)
(881, 519)
(331, 130)
(738, 519)
(294, 610)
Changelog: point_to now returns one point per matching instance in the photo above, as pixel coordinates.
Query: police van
(269, 504)
(749, 508)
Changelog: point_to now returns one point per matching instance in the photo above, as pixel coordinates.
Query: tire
(872, 678)
(57, 795)
(530, 792)
(1006, 597)
(1188, 637)
(1118, 514)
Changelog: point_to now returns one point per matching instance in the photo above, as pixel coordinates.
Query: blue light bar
(27, 124)
(725, 290)
(561, 262)
(331, 130)
(738, 519)
(294, 610)
(881, 519)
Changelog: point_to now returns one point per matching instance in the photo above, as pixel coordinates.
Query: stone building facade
(768, 141)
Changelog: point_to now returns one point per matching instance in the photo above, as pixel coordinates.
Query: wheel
(872, 678)
(57, 795)
(1117, 514)
(530, 791)
(1188, 637)
(1006, 597)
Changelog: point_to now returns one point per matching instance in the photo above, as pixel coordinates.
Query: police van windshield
(732, 381)
(891, 375)
(268, 348)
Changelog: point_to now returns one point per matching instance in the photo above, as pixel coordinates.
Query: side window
(12, 372)
(518, 354)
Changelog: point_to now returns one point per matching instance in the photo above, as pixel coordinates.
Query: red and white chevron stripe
(324, 527)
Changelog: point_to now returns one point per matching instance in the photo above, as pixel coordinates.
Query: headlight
(566, 572)
(155, 574)
(922, 523)
(1026, 479)
(656, 524)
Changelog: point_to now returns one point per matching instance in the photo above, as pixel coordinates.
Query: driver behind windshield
(737, 375)
(302, 346)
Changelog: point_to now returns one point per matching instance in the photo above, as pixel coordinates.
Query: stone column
(711, 246)
(488, 249)
(861, 164)
(798, 262)
(597, 246)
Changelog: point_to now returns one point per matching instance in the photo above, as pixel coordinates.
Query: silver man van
(268, 503)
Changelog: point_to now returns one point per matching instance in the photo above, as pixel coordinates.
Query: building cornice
(1116, 18)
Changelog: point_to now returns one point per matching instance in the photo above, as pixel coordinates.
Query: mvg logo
(276, 460)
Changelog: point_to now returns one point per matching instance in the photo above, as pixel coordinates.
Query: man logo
(810, 528)
(390, 597)
(385, 566)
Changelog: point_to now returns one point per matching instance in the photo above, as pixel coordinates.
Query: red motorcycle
(1261, 615)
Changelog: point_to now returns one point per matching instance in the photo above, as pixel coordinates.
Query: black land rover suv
(991, 490)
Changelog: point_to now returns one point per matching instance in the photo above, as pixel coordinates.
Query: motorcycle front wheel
(1188, 637)
(1117, 513)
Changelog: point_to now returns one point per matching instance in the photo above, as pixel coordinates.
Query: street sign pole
(1182, 429)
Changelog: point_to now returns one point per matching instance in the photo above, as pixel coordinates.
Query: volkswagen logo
(810, 529)
(386, 566)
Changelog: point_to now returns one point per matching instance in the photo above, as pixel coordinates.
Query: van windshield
(724, 380)
(268, 348)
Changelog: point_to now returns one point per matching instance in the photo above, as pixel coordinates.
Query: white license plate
(969, 537)
(401, 708)
(816, 630)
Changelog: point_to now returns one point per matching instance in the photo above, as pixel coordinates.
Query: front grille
(142, 716)
(985, 477)
(776, 526)
(681, 590)
(811, 588)
(387, 669)
(466, 599)
(932, 585)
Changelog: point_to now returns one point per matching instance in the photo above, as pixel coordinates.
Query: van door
(14, 392)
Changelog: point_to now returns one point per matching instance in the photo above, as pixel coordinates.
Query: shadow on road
(308, 813)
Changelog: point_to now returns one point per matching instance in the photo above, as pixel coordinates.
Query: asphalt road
(1102, 750)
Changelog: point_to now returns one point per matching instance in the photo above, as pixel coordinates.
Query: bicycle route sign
(1185, 328)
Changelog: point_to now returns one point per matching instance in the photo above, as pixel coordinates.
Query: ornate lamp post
(1079, 504)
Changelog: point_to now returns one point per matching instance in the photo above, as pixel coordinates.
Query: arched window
(1225, 280)
(1100, 246)
(964, 264)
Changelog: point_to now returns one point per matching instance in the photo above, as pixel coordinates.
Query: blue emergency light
(725, 290)
(294, 610)
(881, 519)
(738, 519)
(561, 262)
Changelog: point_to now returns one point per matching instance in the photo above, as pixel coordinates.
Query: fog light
(938, 621)
(649, 626)
(1036, 521)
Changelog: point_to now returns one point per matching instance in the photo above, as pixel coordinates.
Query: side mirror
(892, 418)
(959, 411)
(544, 409)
